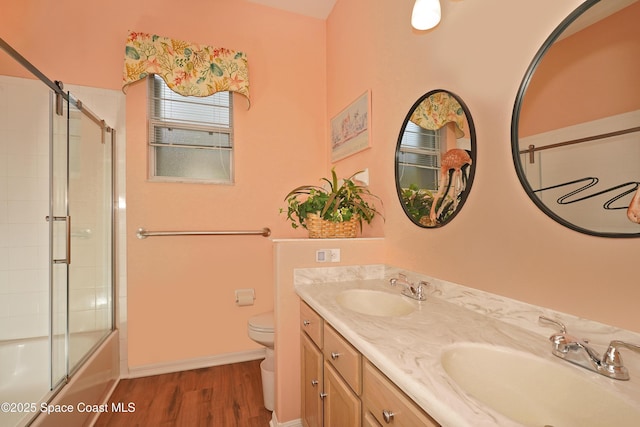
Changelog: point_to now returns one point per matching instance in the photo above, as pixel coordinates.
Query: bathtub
(25, 374)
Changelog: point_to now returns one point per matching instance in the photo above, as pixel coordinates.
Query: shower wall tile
(4, 259)
(29, 280)
(4, 280)
(24, 195)
(22, 235)
(82, 299)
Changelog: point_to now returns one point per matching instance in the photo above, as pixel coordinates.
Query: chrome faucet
(578, 352)
(411, 290)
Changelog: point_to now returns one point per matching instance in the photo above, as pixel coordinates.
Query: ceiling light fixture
(426, 14)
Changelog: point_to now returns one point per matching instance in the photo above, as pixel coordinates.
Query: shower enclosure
(56, 237)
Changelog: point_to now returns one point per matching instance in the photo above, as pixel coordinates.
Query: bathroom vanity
(340, 386)
(461, 358)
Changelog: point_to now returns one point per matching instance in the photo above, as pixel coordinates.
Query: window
(419, 157)
(190, 138)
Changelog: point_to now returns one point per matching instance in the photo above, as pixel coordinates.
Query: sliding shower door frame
(60, 217)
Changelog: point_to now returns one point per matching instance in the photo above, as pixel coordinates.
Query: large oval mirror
(435, 158)
(576, 121)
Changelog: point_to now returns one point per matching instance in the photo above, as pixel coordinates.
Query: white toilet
(261, 330)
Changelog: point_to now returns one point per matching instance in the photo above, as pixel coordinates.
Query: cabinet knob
(306, 322)
(323, 395)
(314, 383)
(387, 416)
(334, 355)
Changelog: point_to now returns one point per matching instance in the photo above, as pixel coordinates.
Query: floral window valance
(188, 69)
(438, 110)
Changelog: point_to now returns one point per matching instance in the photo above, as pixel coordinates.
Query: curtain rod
(532, 148)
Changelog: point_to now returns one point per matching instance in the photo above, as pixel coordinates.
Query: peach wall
(303, 72)
(580, 79)
(499, 242)
(288, 255)
(181, 289)
(181, 302)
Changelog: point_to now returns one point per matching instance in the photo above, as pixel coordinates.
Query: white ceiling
(314, 8)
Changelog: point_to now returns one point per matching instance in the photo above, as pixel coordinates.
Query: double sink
(521, 386)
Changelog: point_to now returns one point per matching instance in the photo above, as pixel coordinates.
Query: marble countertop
(408, 348)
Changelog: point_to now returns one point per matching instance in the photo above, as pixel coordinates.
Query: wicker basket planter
(322, 229)
(321, 209)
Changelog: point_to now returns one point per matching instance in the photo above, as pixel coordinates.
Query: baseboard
(197, 363)
(274, 422)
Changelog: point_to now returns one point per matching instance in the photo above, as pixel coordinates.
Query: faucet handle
(612, 359)
(401, 278)
(547, 321)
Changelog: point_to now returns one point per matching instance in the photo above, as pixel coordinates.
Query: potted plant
(417, 203)
(332, 210)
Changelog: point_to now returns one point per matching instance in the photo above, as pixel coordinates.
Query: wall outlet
(328, 255)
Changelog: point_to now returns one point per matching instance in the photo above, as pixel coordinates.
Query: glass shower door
(90, 208)
(81, 236)
(58, 241)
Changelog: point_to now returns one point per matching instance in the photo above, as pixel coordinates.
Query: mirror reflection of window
(419, 157)
(435, 159)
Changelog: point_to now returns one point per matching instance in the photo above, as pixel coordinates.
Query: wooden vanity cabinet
(342, 388)
(311, 367)
(331, 375)
(342, 406)
(389, 405)
(312, 383)
(369, 420)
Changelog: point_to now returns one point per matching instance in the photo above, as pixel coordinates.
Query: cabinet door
(341, 406)
(369, 420)
(388, 404)
(312, 383)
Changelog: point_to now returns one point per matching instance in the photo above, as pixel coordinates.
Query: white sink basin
(534, 391)
(374, 303)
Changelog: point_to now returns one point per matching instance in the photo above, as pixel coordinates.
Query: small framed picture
(350, 128)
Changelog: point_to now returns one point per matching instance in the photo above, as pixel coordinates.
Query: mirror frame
(515, 148)
(472, 167)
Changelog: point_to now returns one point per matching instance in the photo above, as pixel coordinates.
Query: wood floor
(220, 396)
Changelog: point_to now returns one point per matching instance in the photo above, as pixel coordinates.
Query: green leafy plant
(417, 202)
(336, 202)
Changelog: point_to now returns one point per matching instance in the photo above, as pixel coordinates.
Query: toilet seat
(262, 322)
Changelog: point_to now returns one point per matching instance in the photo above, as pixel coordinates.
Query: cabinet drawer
(311, 323)
(382, 397)
(344, 357)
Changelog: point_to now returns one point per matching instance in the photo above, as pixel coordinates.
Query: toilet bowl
(261, 330)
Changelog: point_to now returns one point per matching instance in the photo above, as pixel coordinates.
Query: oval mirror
(435, 159)
(575, 130)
